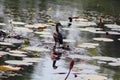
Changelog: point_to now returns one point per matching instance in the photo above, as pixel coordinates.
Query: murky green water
(34, 11)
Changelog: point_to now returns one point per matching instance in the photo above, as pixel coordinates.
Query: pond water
(36, 11)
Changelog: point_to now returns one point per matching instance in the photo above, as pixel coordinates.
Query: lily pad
(2, 24)
(62, 78)
(68, 40)
(86, 46)
(18, 23)
(87, 66)
(9, 68)
(48, 42)
(104, 58)
(70, 29)
(97, 32)
(114, 64)
(44, 33)
(79, 23)
(113, 33)
(46, 36)
(83, 29)
(112, 26)
(41, 24)
(84, 24)
(94, 44)
(17, 55)
(92, 77)
(32, 59)
(103, 39)
(13, 40)
(80, 19)
(84, 57)
(4, 53)
(30, 26)
(17, 62)
(17, 51)
(101, 62)
(6, 44)
(38, 49)
(23, 29)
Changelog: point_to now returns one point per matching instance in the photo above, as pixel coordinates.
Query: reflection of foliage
(1, 60)
(11, 3)
(32, 9)
(26, 10)
(93, 52)
(107, 6)
(116, 76)
(101, 71)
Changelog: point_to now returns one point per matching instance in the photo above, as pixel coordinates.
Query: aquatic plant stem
(70, 68)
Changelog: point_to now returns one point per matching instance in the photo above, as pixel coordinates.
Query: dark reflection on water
(25, 10)
(105, 6)
(36, 11)
(106, 48)
(111, 49)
